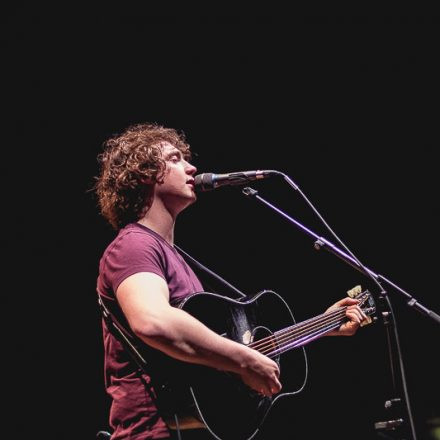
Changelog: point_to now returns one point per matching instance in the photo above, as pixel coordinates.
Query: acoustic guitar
(192, 396)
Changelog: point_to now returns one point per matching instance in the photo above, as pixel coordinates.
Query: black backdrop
(347, 106)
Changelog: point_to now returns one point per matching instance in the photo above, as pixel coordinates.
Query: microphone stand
(395, 425)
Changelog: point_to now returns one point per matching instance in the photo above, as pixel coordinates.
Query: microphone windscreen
(204, 182)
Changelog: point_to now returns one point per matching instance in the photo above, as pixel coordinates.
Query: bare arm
(144, 299)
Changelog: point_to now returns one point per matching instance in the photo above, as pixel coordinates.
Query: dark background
(347, 106)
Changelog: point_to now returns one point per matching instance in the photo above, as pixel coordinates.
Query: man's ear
(148, 180)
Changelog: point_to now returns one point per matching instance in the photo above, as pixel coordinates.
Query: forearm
(183, 337)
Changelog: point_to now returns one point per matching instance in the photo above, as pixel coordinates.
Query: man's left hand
(354, 314)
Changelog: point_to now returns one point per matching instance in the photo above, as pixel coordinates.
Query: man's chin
(193, 198)
(188, 201)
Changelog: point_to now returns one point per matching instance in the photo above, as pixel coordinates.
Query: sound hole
(265, 342)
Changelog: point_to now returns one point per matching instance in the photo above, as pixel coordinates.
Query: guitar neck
(300, 334)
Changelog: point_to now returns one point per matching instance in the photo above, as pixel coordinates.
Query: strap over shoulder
(191, 260)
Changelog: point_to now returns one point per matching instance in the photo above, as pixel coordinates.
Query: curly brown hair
(130, 166)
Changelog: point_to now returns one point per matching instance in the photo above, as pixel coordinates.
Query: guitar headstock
(366, 303)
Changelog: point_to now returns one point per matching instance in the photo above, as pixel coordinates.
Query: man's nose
(190, 169)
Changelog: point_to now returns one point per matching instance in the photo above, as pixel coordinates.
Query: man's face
(177, 187)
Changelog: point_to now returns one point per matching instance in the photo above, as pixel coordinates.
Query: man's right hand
(261, 374)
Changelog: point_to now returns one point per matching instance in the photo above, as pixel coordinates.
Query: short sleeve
(132, 253)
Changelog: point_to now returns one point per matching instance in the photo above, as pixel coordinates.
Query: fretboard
(300, 334)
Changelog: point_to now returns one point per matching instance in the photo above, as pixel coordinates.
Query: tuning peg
(353, 293)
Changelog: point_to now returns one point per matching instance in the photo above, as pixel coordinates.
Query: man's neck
(160, 220)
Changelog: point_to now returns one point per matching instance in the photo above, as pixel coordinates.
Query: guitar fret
(304, 340)
(304, 332)
(301, 332)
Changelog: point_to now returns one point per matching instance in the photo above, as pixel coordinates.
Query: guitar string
(306, 336)
(303, 341)
(287, 338)
(280, 335)
(289, 330)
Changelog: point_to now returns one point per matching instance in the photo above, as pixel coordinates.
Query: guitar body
(216, 400)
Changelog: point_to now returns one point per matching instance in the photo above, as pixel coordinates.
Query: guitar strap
(125, 338)
(203, 268)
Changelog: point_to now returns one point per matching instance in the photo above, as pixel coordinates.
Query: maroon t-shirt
(136, 248)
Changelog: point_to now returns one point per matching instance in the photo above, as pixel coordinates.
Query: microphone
(209, 181)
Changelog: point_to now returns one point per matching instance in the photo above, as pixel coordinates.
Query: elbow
(151, 328)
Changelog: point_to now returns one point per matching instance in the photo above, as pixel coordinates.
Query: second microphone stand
(395, 425)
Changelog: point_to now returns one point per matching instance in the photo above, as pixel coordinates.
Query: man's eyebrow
(173, 153)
